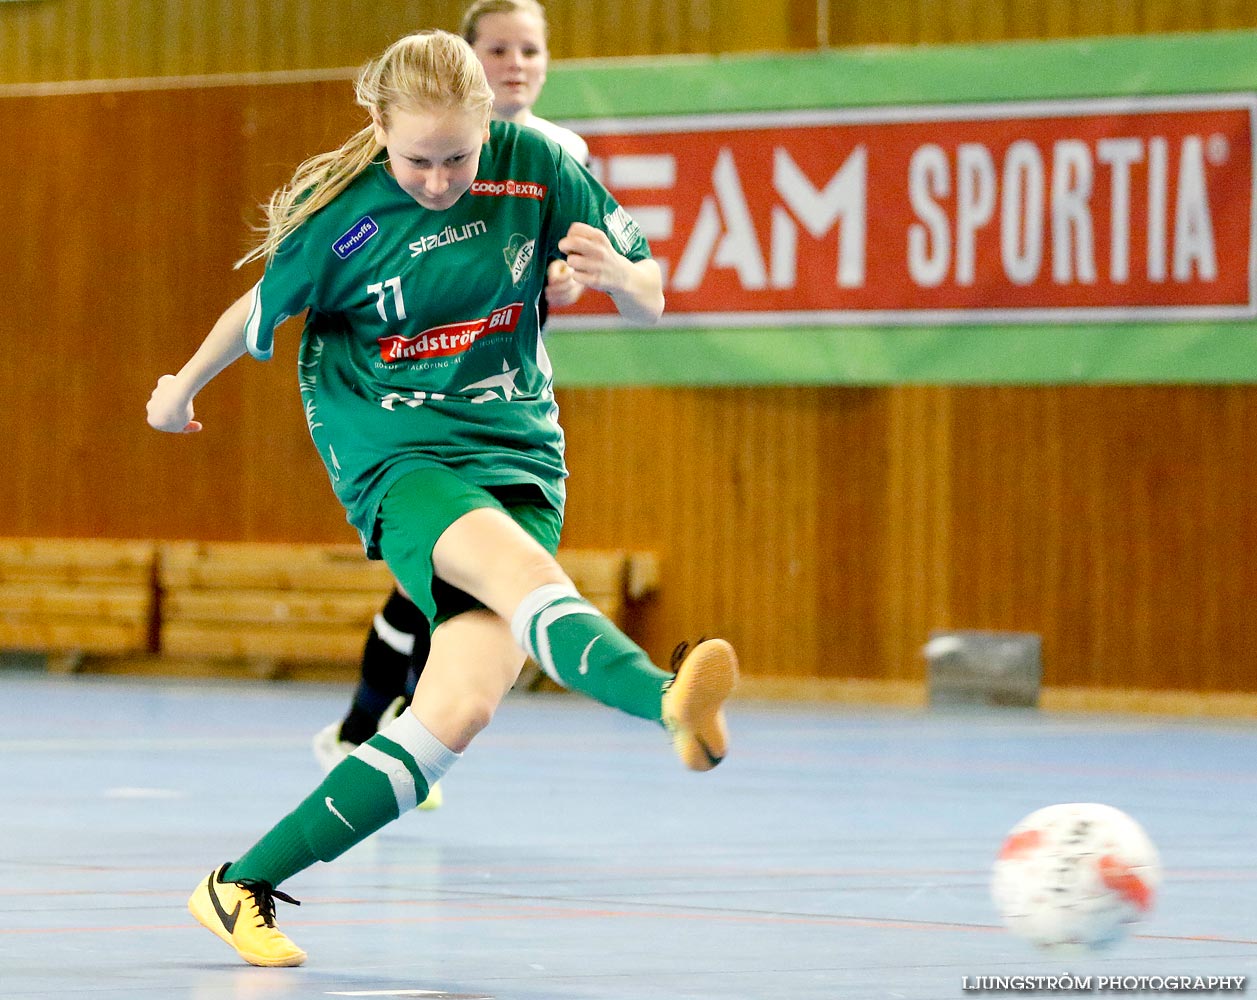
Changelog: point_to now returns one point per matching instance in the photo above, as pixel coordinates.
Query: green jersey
(422, 344)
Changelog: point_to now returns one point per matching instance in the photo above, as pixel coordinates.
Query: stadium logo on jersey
(451, 338)
(622, 229)
(356, 238)
(447, 236)
(518, 253)
(509, 189)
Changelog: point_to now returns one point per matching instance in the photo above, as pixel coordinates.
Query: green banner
(1157, 139)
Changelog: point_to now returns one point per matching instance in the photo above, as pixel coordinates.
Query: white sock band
(550, 615)
(432, 756)
(399, 776)
(531, 606)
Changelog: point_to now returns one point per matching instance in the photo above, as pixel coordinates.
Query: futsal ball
(1075, 876)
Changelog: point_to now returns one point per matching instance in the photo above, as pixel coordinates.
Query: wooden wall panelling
(887, 23)
(1105, 19)
(768, 506)
(1225, 14)
(1005, 533)
(1232, 548)
(113, 39)
(960, 20)
(828, 531)
(1116, 521)
(655, 27)
(854, 515)
(624, 461)
(1171, 15)
(1058, 19)
(1024, 18)
(123, 271)
(777, 596)
(99, 275)
(722, 484)
(27, 43)
(913, 572)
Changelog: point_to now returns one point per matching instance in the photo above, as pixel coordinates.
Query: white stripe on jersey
(252, 327)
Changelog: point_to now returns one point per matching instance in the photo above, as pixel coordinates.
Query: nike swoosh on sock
(584, 657)
(336, 813)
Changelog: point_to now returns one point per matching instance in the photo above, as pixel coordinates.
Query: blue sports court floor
(838, 853)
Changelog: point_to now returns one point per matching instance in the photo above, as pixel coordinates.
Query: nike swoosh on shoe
(228, 919)
(712, 759)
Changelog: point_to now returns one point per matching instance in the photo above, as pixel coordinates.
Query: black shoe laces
(682, 651)
(264, 896)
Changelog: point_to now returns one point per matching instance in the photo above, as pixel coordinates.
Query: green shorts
(422, 504)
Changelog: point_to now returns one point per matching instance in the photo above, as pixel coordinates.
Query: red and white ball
(1075, 876)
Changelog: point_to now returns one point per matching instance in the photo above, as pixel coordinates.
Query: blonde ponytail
(430, 70)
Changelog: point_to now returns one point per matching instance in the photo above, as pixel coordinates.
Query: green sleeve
(581, 198)
(286, 289)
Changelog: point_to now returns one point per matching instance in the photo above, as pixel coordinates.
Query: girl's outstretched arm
(170, 405)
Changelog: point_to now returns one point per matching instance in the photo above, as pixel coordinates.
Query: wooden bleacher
(74, 598)
(271, 604)
(267, 602)
(136, 605)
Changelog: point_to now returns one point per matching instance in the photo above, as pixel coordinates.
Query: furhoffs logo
(353, 241)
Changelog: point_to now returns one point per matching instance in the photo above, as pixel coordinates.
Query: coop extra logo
(1129, 208)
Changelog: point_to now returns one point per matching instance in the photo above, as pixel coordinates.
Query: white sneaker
(329, 748)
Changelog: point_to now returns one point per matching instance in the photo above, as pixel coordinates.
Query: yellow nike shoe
(243, 915)
(705, 676)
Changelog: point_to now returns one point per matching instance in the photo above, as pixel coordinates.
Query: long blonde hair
(429, 70)
(470, 29)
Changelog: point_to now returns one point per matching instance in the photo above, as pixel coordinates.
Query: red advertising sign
(1133, 208)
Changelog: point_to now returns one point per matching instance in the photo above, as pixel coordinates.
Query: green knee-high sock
(580, 648)
(384, 778)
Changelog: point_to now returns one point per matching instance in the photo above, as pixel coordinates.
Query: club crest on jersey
(356, 238)
(518, 253)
